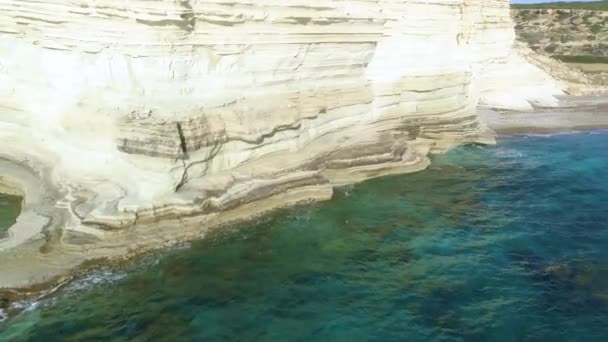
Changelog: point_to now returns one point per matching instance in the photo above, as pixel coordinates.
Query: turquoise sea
(504, 243)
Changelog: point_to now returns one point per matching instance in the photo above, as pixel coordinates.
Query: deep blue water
(505, 243)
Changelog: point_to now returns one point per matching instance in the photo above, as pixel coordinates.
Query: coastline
(38, 267)
(148, 145)
(37, 280)
(483, 225)
(575, 113)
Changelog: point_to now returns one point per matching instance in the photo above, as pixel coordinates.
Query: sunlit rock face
(138, 111)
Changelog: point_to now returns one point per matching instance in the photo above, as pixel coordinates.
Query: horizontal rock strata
(154, 120)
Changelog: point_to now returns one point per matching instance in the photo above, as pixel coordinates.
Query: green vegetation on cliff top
(596, 5)
(582, 59)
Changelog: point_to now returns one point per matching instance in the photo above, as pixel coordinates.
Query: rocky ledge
(137, 126)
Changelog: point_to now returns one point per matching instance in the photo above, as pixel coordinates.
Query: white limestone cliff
(136, 113)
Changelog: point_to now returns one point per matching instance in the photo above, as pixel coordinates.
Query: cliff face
(142, 111)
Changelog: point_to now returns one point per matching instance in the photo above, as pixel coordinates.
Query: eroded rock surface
(154, 120)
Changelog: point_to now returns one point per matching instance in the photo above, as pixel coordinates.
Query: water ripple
(501, 243)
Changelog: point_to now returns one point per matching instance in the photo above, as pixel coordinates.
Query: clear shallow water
(10, 206)
(505, 243)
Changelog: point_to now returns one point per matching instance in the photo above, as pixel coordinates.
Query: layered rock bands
(147, 121)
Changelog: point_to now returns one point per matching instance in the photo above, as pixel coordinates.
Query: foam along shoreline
(578, 113)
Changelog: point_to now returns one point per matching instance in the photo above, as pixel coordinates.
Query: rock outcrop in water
(147, 122)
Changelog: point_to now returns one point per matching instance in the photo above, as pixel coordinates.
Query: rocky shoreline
(41, 265)
(57, 265)
(210, 113)
(575, 113)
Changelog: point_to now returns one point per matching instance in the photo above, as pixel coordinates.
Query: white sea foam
(25, 305)
(552, 134)
(94, 279)
(184, 245)
(346, 190)
(509, 153)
